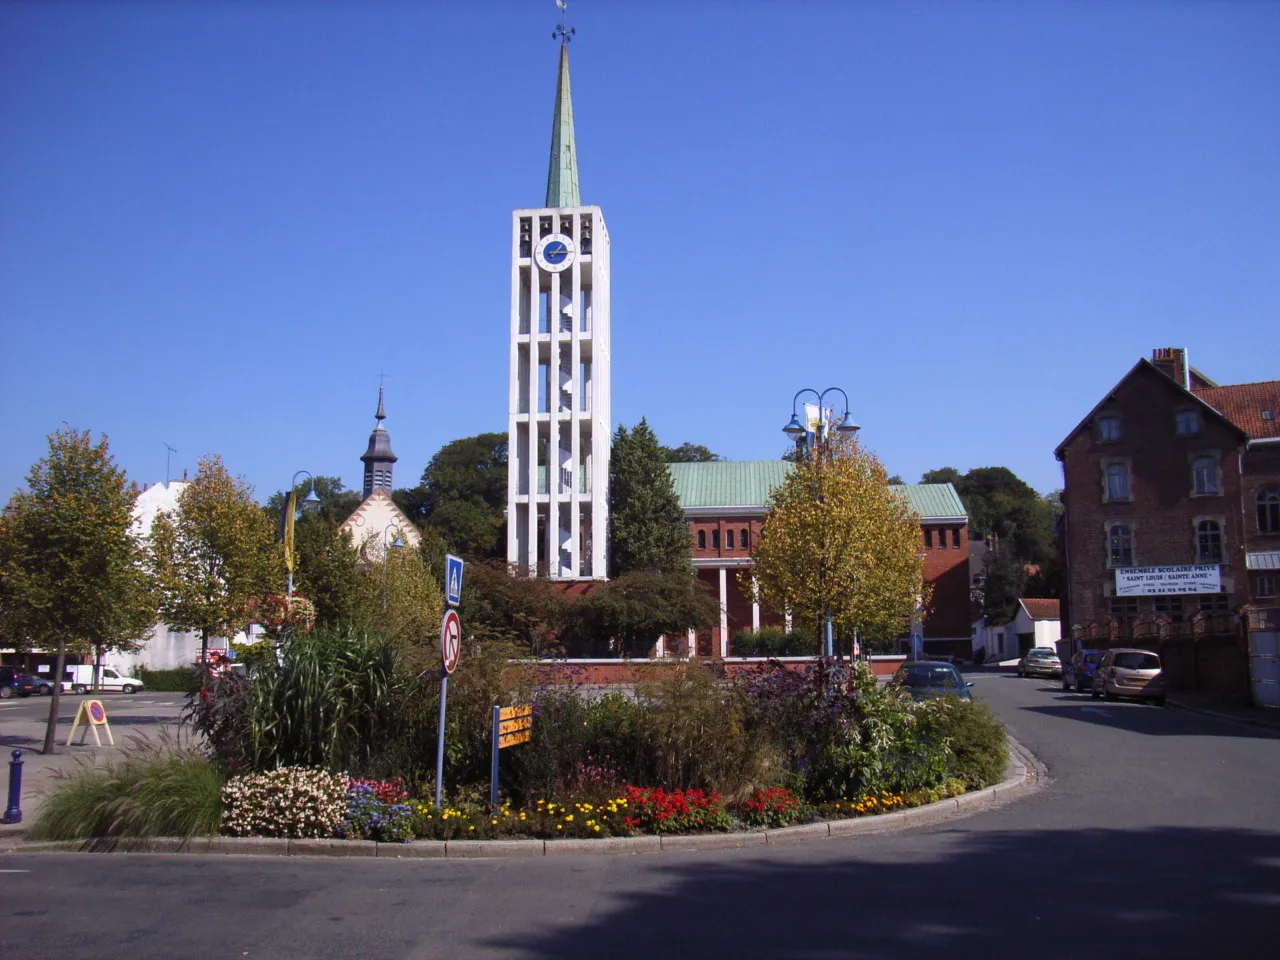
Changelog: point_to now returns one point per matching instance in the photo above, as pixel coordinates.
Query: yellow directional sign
(515, 725)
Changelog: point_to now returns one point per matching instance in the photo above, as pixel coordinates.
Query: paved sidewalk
(22, 726)
(1223, 710)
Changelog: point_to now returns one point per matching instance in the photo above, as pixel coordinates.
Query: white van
(80, 677)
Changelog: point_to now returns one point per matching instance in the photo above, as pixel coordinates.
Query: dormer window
(1188, 423)
(1108, 429)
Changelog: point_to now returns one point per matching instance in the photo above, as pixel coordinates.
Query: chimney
(1172, 361)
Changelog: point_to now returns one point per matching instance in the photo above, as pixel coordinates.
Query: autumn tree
(838, 541)
(647, 529)
(397, 596)
(214, 556)
(71, 577)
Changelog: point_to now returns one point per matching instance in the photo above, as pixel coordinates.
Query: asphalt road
(1156, 836)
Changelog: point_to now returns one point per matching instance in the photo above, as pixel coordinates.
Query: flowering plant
(291, 802)
(656, 810)
(775, 807)
(387, 791)
(368, 817)
(277, 613)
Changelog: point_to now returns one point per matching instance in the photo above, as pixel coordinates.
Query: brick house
(724, 505)
(1172, 470)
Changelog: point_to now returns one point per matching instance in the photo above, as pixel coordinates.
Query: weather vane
(563, 33)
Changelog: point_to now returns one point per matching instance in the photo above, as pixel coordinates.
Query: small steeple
(562, 176)
(378, 458)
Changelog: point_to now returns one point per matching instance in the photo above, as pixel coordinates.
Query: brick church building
(724, 505)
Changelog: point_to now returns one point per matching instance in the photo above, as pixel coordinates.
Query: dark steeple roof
(378, 458)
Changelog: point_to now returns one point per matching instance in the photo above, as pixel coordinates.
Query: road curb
(1024, 774)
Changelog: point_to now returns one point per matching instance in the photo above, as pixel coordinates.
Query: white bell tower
(559, 418)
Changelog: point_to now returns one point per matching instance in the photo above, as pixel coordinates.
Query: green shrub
(294, 802)
(177, 680)
(325, 700)
(154, 790)
(979, 745)
(776, 642)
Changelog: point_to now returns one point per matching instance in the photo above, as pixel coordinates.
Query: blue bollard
(14, 812)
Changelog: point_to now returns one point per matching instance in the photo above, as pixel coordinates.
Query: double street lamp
(289, 511)
(387, 547)
(813, 436)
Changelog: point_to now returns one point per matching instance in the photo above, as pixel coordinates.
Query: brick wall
(1162, 509)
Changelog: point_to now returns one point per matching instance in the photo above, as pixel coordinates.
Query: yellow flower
(559, 827)
(470, 828)
(568, 818)
(597, 829)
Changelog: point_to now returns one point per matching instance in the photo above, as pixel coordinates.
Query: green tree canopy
(463, 495)
(690, 453)
(836, 539)
(214, 556)
(71, 576)
(626, 615)
(647, 530)
(336, 501)
(1001, 504)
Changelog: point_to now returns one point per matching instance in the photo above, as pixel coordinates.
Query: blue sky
(220, 221)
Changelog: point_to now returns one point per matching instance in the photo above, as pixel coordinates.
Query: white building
(1036, 624)
(559, 418)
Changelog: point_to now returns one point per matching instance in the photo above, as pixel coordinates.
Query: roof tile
(1244, 404)
(1040, 609)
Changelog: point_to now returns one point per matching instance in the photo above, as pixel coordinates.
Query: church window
(728, 539)
(715, 539)
(928, 538)
(702, 539)
(746, 539)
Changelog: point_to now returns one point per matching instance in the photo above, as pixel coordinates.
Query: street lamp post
(397, 544)
(309, 502)
(808, 441)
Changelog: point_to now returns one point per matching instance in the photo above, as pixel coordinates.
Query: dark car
(41, 686)
(1040, 662)
(14, 683)
(924, 679)
(1077, 673)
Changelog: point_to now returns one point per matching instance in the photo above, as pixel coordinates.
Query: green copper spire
(562, 177)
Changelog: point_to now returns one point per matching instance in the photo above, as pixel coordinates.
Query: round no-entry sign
(450, 640)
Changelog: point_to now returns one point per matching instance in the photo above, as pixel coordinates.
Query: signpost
(452, 579)
(511, 727)
(93, 716)
(450, 652)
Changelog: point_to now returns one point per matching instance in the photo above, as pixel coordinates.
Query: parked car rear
(925, 679)
(15, 683)
(1077, 673)
(1040, 662)
(1129, 672)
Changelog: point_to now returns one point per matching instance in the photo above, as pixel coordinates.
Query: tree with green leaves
(214, 557)
(400, 599)
(1000, 504)
(336, 501)
(71, 576)
(626, 615)
(647, 529)
(327, 569)
(463, 495)
(838, 541)
(690, 453)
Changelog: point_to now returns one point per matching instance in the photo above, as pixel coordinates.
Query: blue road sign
(452, 579)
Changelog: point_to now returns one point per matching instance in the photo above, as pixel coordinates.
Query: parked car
(1128, 672)
(925, 679)
(80, 676)
(43, 686)
(1078, 672)
(15, 683)
(1040, 662)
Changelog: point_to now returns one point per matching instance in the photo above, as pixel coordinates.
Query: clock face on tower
(554, 252)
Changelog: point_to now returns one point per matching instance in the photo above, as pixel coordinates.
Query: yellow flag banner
(289, 510)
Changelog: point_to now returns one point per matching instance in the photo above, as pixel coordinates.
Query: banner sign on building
(1156, 581)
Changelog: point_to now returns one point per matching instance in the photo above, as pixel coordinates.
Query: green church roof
(562, 175)
(747, 483)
